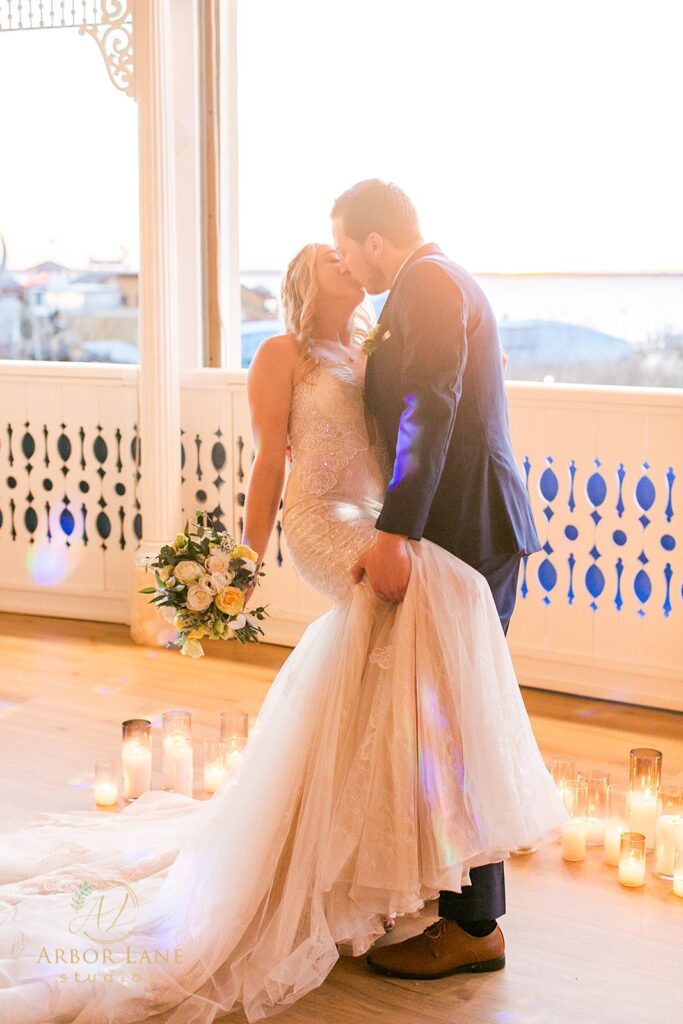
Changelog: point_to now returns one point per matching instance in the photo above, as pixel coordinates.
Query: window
(69, 209)
(539, 142)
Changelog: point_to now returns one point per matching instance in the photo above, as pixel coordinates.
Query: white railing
(599, 610)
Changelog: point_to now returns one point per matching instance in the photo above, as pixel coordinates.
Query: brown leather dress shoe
(441, 949)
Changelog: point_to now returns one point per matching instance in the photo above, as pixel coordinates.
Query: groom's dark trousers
(436, 389)
(484, 899)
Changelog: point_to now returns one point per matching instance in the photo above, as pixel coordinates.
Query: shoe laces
(436, 929)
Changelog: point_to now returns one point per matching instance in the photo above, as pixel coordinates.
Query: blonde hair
(299, 294)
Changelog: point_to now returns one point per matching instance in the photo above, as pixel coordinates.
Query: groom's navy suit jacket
(437, 391)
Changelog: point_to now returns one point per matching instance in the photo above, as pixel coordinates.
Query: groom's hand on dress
(387, 564)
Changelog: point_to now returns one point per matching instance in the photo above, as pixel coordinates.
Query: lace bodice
(338, 477)
(334, 442)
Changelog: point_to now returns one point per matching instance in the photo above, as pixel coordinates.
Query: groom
(435, 384)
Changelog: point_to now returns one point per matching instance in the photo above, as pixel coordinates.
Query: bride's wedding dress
(393, 754)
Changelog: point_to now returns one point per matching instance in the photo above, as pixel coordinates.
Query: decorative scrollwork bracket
(114, 35)
(111, 24)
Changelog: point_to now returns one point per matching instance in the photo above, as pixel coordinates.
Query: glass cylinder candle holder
(573, 839)
(234, 724)
(233, 748)
(669, 830)
(523, 851)
(106, 783)
(563, 770)
(632, 859)
(177, 745)
(215, 769)
(617, 821)
(678, 871)
(645, 775)
(136, 757)
(596, 808)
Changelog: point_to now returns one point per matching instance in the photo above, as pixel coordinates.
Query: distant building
(258, 303)
(10, 284)
(553, 343)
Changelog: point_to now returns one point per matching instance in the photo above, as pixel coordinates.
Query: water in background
(611, 329)
(634, 307)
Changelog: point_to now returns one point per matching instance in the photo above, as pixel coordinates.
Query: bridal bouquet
(201, 579)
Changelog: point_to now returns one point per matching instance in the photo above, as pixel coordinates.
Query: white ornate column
(229, 260)
(159, 390)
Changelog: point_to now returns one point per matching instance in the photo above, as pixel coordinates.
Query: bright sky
(534, 135)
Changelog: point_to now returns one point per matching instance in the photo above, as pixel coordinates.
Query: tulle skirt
(393, 754)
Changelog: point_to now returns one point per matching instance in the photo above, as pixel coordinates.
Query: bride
(369, 786)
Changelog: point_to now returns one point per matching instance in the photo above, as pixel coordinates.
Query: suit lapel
(428, 249)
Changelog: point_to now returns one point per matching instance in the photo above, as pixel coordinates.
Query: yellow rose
(242, 551)
(197, 633)
(230, 600)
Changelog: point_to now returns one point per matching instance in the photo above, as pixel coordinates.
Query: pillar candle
(214, 774)
(136, 762)
(613, 831)
(178, 764)
(106, 792)
(595, 831)
(574, 839)
(631, 871)
(669, 836)
(644, 815)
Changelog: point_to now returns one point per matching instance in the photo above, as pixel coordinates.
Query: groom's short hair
(381, 206)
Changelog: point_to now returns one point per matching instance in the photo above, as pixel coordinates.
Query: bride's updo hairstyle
(299, 295)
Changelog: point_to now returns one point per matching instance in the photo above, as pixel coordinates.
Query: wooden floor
(580, 947)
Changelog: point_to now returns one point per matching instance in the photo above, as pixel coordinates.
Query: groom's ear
(375, 244)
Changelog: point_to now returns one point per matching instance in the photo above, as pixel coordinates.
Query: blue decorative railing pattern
(87, 492)
(84, 482)
(602, 468)
(613, 539)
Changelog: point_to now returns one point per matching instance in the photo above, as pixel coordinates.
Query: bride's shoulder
(279, 353)
(281, 345)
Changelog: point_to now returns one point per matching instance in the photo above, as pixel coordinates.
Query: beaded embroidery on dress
(393, 754)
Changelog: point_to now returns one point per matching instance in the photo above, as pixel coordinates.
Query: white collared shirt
(418, 246)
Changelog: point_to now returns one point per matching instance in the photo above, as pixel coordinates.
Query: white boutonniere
(373, 337)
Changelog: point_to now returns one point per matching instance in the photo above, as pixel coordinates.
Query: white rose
(221, 579)
(188, 571)
(198, 598)
(218, 561)
(206, 581)
(237, 622)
